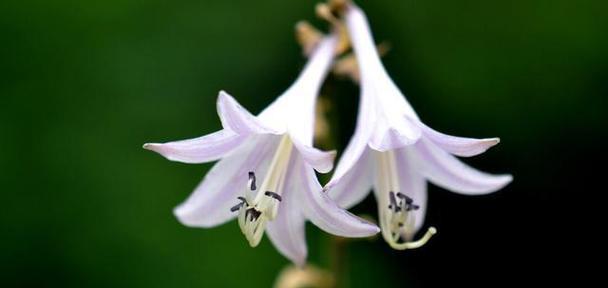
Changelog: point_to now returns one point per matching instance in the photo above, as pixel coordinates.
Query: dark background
(83, 84)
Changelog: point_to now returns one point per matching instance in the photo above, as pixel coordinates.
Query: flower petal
(355, 185)
(412, 183)
(394, 134)
(210, 147)
(209, 205)
(236, 118)
(375, 80)
(446, 171)
(325, 213)
(459, 146)
(287, 231)
(358, 144)
(295, 108)
(321, 161)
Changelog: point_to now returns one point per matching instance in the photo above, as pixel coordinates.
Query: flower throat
(259, 206)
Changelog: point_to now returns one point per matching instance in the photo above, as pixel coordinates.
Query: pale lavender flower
(277, 146)
(395, 153)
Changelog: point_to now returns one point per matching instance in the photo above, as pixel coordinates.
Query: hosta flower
(395, 153)
(265, 175)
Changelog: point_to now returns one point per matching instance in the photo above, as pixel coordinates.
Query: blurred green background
(83, 84)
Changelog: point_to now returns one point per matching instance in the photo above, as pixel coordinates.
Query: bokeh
(83, 84)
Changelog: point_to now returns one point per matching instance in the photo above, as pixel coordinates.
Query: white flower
(395, 153)
(277, 146)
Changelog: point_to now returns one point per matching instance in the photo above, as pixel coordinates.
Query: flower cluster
(265, 176)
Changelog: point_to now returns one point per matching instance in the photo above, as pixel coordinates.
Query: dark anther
(411, 207)
(273, 195)
(238, 206)
(253, 214)
(408, 200)
(393, 200)
(252, 180)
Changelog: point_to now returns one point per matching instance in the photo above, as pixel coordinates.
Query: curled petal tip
(376, 230)
(161, 149)
(492, 141)
(459, 146)
(501, 182)
(152, 147)
(181, 216)
(448, 172)
(223, 95)
(185, 217)
(506, 178)
(486, 144)
(236, 118)
(180, 213)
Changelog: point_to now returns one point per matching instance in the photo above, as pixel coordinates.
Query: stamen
(408, 200)
(252, 181)
(399, 220)
(256, 210)
(253, 213)
(238, 206)
(393, 201)
(273, 195)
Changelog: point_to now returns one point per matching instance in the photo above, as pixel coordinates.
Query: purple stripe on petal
(398, 134)
(326, 214)
(447, 171)
(359, 141)
(459, 146)
(236, 118)
(321, 161)
(287, 231)
(356, 184)
(210, 147)
(209, 205)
